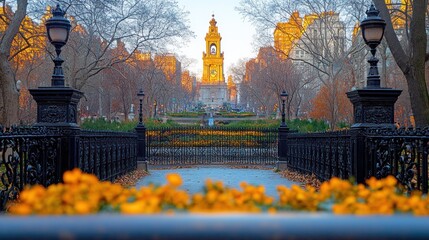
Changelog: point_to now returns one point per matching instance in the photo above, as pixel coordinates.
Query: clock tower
(213, 91)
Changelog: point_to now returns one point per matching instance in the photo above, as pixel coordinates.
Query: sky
(236, 32)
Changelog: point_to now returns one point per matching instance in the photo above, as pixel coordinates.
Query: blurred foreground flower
(82, 193)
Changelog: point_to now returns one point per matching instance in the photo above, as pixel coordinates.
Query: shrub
(101, 124)
(294, 125)
(187, 114)
(299, 125)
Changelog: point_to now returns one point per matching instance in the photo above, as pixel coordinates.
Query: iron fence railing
(211, 145)
(107, 154)
(36, 155)
(402, 153)
(28, 155)
(325, 154)
(361, 154)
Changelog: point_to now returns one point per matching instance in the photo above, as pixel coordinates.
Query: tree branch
(13, 27)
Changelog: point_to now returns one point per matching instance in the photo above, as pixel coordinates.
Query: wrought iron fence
(28, 155)
(325, 154)
(363, 153)
(107, 154)
(36, 155)
(402, 153)
(214, 145)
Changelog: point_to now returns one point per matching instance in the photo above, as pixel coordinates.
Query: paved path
(194, 178)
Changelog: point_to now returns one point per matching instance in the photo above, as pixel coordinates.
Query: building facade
(213, 89)
(232, 91)
(170, 66)
(312, 39)
(315, 43)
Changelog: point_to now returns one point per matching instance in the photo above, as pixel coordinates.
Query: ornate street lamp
(140, 94)
(58, 29)
(372, 32)
(283, 97)
(373, 106)
(141, 135)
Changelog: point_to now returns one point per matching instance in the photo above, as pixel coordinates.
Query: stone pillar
(57, 110)
(374, 107)
(282, 148)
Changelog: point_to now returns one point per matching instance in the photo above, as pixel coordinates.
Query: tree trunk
(416, 77)
(419, 99)
(9, 97)
(413, 65)
(9, 100)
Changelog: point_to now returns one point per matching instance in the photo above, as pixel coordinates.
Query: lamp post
(373, 105)
(57, 104)
(283, 97)
(58, 29)
(372, 28)
(140, 94)
(141, 136)
(283, 132)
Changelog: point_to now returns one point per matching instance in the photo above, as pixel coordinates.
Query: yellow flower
(20, 209)
(82, 207)
(72, 177)
(390, 181)
(174, 179)
(133, 208)
(84, 194)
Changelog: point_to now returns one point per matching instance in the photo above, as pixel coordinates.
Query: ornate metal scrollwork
(396, 154)
(358, 114)
(28, 155)
(9, 171)
(406, 171)
(378, 114)
(72, 114)
(382, 162)
(53, 113)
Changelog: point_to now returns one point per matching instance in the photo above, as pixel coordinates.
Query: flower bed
(84, 194)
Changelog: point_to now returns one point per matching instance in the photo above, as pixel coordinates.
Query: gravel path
(194, 178)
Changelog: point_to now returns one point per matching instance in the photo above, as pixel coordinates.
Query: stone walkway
(194, 178)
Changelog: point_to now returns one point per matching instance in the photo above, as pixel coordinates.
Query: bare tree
(318, 41)
(267, 78)
(97, 26)
(146, 26)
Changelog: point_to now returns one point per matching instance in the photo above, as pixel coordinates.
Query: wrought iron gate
(214, 145)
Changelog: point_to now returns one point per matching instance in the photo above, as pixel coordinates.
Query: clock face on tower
(213, 49)
(213, 73)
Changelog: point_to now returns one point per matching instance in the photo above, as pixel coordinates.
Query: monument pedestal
(214, 95)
